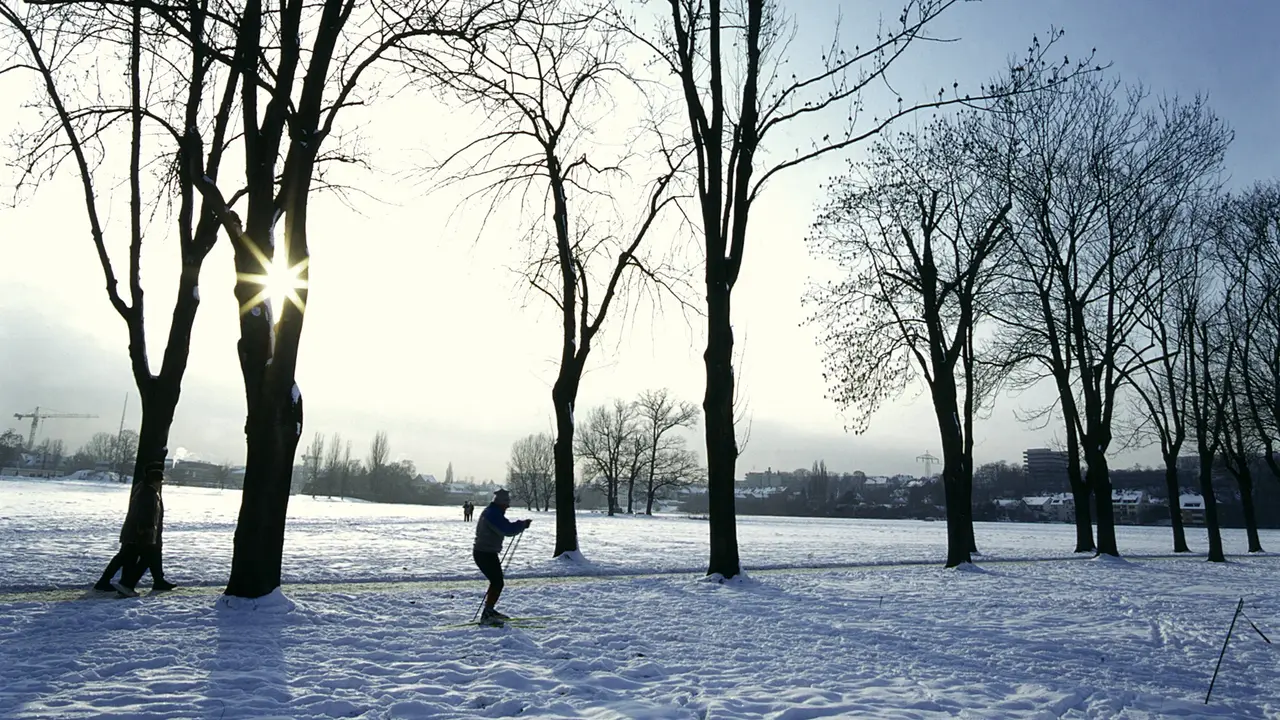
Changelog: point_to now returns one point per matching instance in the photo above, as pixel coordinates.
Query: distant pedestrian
(141, 538)
(492, 527)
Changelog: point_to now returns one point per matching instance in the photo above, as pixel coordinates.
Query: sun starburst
(279, 283)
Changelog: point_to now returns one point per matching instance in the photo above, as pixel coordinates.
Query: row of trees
(331, 470)
(623, 447)
(1074, 239)
(113, 450)
(241, 102)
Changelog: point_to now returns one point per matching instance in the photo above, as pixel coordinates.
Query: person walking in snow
(143, 522)
(492, 527)
(142, 537)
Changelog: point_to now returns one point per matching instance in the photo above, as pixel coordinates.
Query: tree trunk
(158, 409)
(968, 506)
(272, 440)
(1175, 509)
(1210, 508)
(959, 517)
(648, 503)
(958, 491)
(563, 395)
(1245, 481)
(1080, 495)
(722, 445)
(274, 417)
(1100, 480)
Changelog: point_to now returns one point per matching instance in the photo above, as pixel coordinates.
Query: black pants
(121, 559)
(491, 566)
(139, 560)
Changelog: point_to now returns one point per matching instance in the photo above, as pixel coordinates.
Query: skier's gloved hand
(527, 523)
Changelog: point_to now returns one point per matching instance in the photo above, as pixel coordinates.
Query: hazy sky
(416, 328)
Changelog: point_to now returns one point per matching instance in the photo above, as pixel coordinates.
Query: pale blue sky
(460, 370)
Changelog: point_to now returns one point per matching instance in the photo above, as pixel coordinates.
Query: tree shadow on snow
(248, 675)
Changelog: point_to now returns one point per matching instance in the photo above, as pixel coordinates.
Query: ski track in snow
(1086, 639)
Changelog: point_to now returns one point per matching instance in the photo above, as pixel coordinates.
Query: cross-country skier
(492, 527)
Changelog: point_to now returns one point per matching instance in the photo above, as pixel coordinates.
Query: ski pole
(1239, 608)
(512, 555)
(502, 562)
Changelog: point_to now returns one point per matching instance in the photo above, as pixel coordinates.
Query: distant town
(1035, 490)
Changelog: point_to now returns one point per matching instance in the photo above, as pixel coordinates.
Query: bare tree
(312, 461)
(124, 450)
(1249, 242)
(1243, 251)
(677, 466)
(51, 452)
(546, 85)
(1097, 188)
(660, 415)
(919, 228)
(325, 57)
(1207, 362)
(605, 447)
(1162, 385)
(348, 468)
(168, 86)
(737, 97)
(377, 462)
(531, 471)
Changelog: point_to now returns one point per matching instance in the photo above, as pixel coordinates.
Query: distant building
(1192, 507)
(1128, 506)
(204, 474)
(1045, 468)
(1059, 507)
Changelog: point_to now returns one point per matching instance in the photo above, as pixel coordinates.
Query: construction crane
(38, 417)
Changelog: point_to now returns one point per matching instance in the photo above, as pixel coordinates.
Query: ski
(524, 621)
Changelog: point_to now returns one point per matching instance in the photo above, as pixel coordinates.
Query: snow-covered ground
(1079, 638)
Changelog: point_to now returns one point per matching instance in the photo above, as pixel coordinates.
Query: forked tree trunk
(1175, 507)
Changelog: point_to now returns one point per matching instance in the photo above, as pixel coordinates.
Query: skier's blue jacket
(492, 526)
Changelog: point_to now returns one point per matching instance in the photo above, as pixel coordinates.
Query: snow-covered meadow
(375, 588)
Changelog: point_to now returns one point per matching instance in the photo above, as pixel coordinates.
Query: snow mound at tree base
(1110, 559)
(573, 556)
(274, 602)
(739, 580)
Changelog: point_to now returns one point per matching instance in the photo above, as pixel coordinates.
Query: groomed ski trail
(11, 595)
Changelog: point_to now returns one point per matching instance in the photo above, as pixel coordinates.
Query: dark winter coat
(144, 524)
(493, 527)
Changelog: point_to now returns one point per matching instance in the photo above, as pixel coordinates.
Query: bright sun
(279, 283)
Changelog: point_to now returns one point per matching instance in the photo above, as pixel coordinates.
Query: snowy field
(865, 636)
